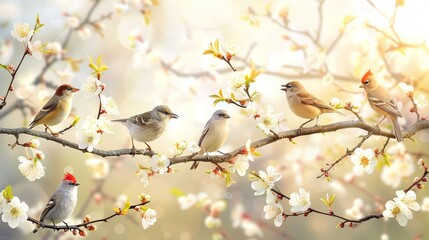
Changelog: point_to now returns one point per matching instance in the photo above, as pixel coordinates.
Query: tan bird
(382, 102)
(56, 109)
(305, 104)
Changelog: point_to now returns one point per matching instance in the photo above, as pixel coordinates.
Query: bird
(56, 109)
(382, 102)
(304, 104)
(147, 126)
(214, 135)
(61, 204)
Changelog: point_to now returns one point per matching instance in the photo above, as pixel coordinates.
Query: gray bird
(147, 126)
(214, 134)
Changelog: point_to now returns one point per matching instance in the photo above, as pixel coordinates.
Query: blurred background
(154, 53)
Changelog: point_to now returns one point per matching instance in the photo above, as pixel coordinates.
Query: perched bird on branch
(305, 104)
(214, 134)
(62, 202)
(56, 109)
(382, 102)
(148, 126)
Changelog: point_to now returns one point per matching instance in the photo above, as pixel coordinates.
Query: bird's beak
(173, 115)
(77, 184)
(362, 86)
(283, 88)
(75, 89)
(227, 116)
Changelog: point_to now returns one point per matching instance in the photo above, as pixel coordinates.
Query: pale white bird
(214, 134)
(148, 126)
(62, 202)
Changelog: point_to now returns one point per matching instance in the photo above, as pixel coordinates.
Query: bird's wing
(204, 133)
(51, 105)
(141, 119)
(388, 106)
(310, 99)
(49, 206)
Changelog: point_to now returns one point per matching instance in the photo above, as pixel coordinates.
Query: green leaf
(220, 93)
(7, 193)
(386, 159)
(177, 192)
(228, 179)
(4, 66)
(76, 121)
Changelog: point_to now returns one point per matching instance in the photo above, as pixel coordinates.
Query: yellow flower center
(14, 211)
(396, 210)
(364, 161)
(89, 139)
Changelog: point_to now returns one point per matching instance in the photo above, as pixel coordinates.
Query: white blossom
(399, 211)
(84, 32)
(149, 218)
(424, 207)
(32, 169)
(193, 147)
(356, 210)
(266, 180)
(15, 212)
(72, 21)
(270, 121)
(160, 163)
(408, 199)
(22, 32)
(109, 105)
(300, 202)
(36, 49)
(406, 88)
(364, 160)
(274, 210)
(143, 175)
(421, 101)
(241, 164)
(87, 139)
(187, 201)
(212, 222)
(91, 87)
(99, 166)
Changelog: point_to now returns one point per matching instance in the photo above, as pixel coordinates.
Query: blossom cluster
(89, 135)
(32, 167)
(401, 207)
(264, 183)
(12, 210)
(213, 207)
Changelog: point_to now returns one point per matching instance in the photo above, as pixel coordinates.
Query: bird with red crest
(382, 102)
(61, 204)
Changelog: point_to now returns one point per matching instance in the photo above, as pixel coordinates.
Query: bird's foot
(67, 226)
(133, 151)
(299, 130)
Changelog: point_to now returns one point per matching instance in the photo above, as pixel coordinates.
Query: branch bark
(374, 130)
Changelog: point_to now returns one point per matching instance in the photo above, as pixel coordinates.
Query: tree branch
(85, 224)
(424, 124)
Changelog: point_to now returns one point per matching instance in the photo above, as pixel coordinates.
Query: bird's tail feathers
(120, 120)
(194, 165)
(36, 229)
(397, 129)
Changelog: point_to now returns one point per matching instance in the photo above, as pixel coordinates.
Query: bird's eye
(70, 183)
(69, 88)
(366, 82)
(288, 86)
(221, 114)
